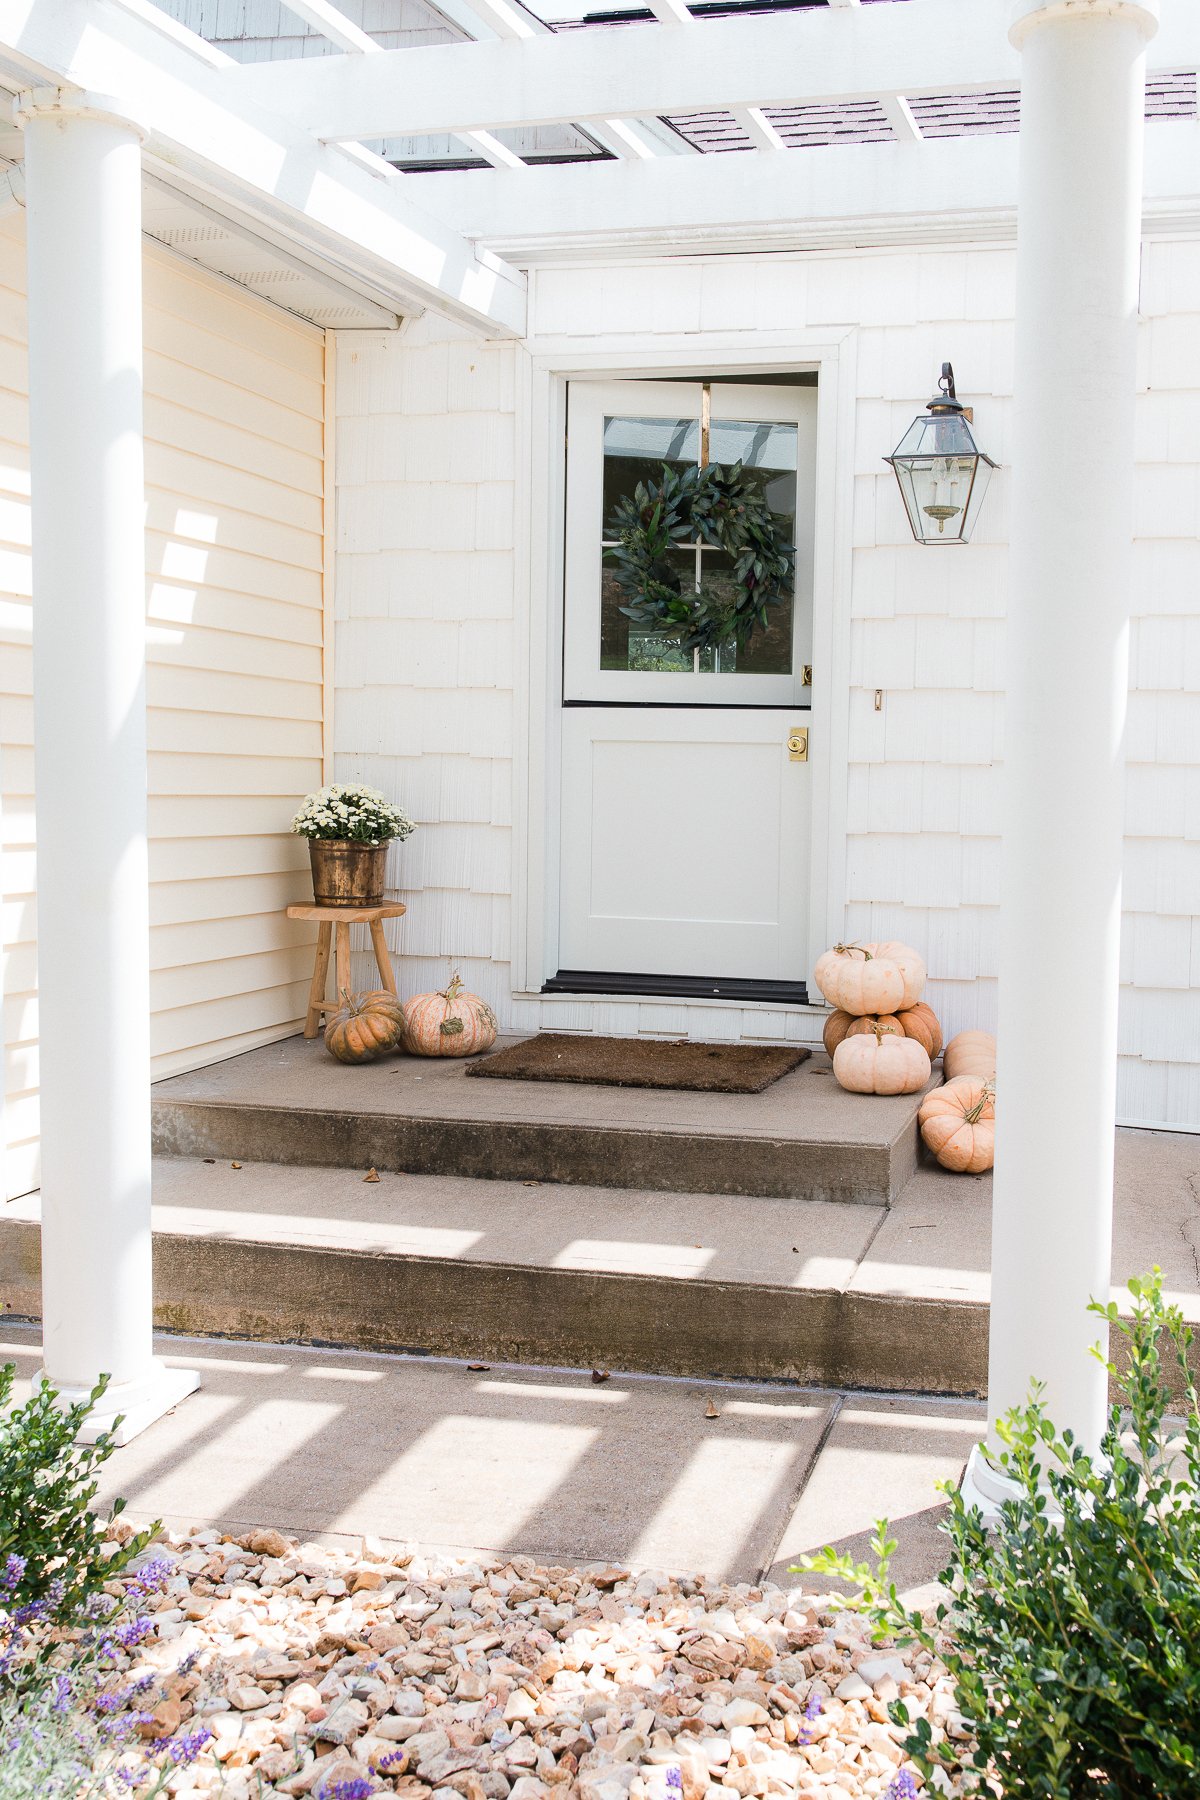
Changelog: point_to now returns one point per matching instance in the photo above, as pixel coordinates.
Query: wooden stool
(339, 919)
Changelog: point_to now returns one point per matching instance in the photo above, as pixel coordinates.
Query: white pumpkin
(879, 978)
(881, 1061)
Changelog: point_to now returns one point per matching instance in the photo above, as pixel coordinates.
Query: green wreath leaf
(723, 506)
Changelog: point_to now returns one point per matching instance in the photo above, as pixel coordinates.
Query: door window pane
(635, 450)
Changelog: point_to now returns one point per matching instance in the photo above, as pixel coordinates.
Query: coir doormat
(642, 1062)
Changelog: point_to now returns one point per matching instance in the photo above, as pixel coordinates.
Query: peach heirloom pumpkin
(880, 978)
(970, 1053)
(919, 1021)
(451, 1023)
(958, 1123)
(881, 1061)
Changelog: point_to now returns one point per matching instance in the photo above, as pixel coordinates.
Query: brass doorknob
(797, 743)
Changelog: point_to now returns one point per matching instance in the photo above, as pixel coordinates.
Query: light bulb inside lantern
(944, 504)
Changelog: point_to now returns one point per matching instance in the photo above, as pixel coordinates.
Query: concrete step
(804, 1138)
(692, 1284)
(665, 1283)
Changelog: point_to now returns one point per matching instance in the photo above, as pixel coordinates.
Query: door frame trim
(544, 369)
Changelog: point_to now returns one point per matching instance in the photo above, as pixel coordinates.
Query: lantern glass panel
(942, 477)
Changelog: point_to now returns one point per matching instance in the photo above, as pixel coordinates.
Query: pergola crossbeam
(889, 191)
(831, 56)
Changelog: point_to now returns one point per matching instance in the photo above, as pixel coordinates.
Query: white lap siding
(424, 583)
(234, 419)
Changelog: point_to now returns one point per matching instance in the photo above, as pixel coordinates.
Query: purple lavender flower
(185, 1748)
(14, 1568)
(133, 1631)
(902, 1787)
(358, 1788)
(62, 1695)
(393, 1758)
(151, 1578)
(811, 1712)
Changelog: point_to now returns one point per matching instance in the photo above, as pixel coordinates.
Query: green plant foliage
(722, 505)
(47, 1485)
(1075, 1624)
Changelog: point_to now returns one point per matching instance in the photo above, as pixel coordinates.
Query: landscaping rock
(436, 1678)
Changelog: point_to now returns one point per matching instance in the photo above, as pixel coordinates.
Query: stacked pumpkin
(882, 1038)
(958, 1120)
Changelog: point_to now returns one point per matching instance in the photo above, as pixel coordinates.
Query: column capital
(63, 103)
(1028, 14)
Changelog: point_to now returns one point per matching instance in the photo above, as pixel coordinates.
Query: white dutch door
(685, 802)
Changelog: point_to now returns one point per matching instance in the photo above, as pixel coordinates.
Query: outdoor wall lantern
(943, 476)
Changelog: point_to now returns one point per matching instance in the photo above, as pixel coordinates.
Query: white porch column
(1078, 234)
(83, 214)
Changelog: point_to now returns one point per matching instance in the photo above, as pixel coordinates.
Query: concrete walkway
(548, 1463)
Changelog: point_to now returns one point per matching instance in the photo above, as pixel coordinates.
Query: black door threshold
(677, 987)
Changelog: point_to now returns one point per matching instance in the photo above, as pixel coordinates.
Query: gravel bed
(498, 1679)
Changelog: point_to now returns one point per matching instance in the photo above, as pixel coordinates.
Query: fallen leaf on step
(479, 1368)
(531, 1184)
(210, 1159)
(710, 1411)
(599, 1375)
(371, 1175)
(235, 1165)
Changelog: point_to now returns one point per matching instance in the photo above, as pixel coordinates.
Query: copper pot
(346, 873)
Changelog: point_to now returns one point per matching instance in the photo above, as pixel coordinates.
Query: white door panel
(674, 860)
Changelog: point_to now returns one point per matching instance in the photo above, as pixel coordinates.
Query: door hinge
(797, 743)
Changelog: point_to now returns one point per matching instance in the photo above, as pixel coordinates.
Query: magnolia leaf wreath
(723, 505)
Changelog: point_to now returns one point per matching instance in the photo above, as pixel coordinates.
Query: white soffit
(217, 243)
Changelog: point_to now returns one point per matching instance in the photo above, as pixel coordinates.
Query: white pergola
(109, 89)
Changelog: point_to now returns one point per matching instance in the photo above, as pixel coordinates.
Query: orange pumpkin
(970, 1053)
(918, 1022)
(365, 1026)
(958, 1123)
(452, 1023)
(881, 1060)
(870, 978)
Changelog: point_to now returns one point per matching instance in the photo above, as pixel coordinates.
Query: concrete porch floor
(544, 1462)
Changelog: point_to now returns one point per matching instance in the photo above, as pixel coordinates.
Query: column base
(137, 1403)
(986, 1487)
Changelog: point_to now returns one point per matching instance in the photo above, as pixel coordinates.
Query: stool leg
(382, 956)
(316, 993)
(342, 935)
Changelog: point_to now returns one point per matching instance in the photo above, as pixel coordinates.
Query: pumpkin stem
(454, 989)
(851, 949)
(881, 1031)
(976, 1113)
